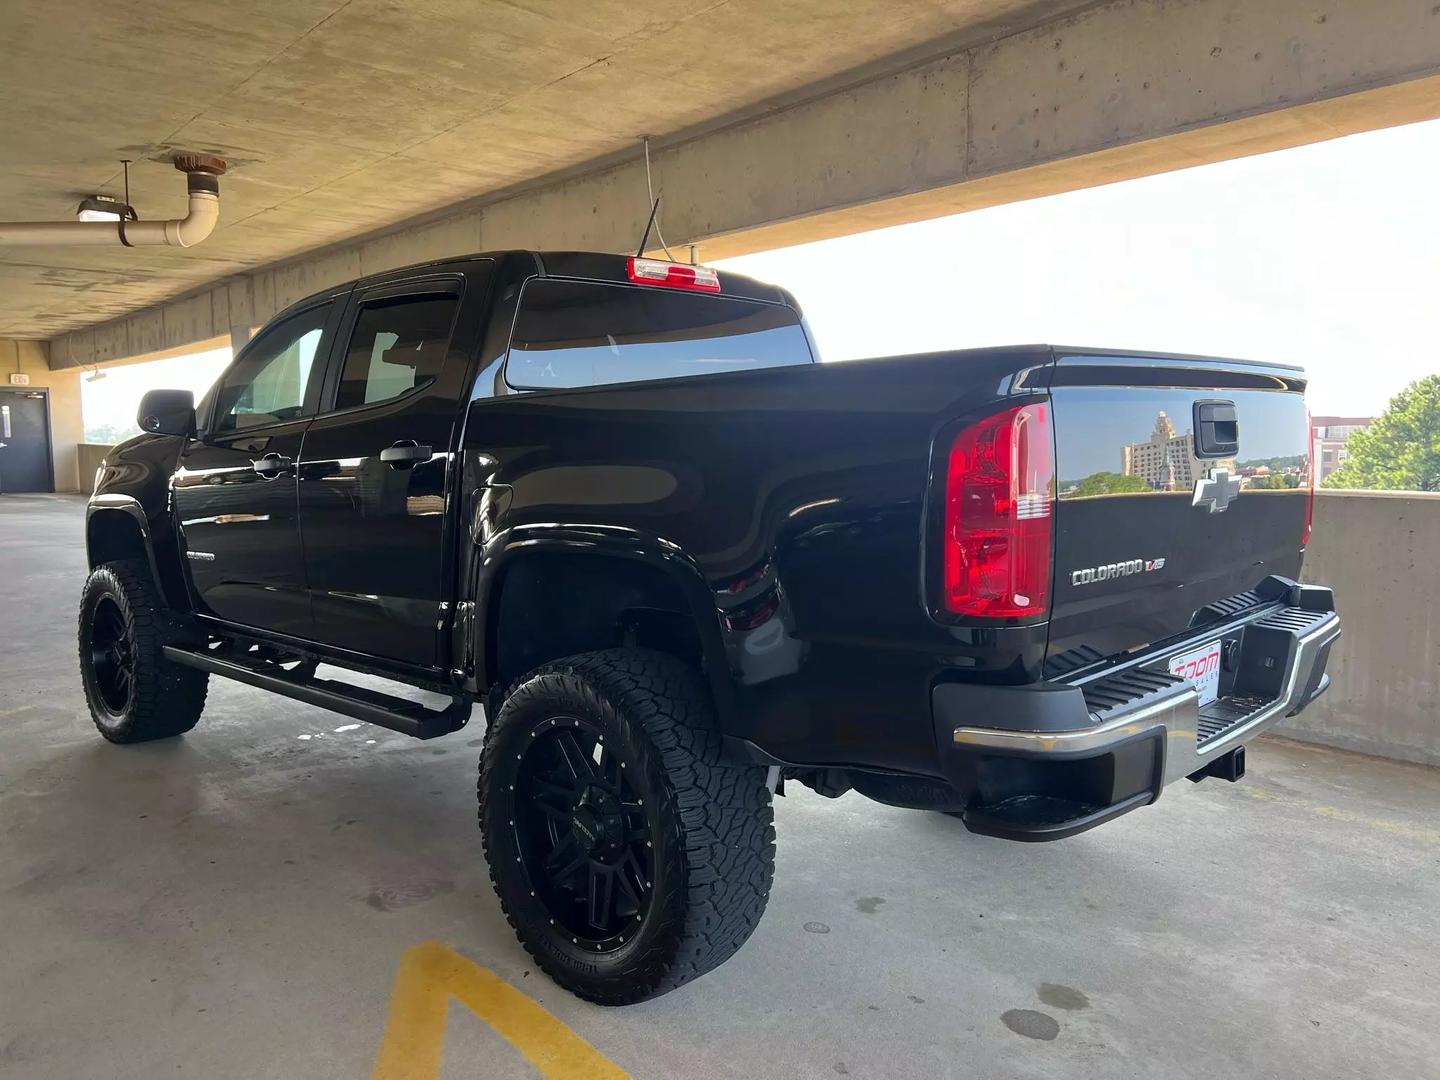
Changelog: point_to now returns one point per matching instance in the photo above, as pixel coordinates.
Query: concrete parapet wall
(1380, 552)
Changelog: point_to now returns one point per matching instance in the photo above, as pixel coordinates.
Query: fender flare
(609, 541)
(115, 503)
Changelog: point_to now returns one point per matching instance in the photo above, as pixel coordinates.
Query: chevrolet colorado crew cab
(619, 504)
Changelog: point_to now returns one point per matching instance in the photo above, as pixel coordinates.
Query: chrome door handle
(272, 465)
(405, 454)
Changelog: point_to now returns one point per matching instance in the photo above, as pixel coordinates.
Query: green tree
(1274, 481)
(1109, 483)
(109, 434)
(1277, 464)
(1401, 450)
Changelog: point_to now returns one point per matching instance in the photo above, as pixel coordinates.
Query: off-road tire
(163, 699)
(710, 819)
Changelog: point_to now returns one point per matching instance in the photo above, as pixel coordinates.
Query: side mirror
(167, 412)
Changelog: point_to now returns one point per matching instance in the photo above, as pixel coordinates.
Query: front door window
(270, 382)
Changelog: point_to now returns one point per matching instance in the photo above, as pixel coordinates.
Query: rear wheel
(134, 693)
(628, 855)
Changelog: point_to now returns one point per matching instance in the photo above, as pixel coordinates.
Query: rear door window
(578, 333)
(398, 346)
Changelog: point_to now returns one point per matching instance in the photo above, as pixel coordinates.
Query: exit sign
(19, 378)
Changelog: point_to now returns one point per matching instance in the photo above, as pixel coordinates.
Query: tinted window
(399, 345)
(571, 333)
(269, 381)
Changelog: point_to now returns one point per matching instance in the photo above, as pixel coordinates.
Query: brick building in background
(1167, 461)
(1327, 437)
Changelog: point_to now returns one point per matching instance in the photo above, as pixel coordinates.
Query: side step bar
(382, 710)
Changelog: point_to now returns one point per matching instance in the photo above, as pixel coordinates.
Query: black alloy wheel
(583, 832)
(629, 854)
(112, 655)
(133, 692)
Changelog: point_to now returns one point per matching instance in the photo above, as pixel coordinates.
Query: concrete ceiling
(343, 118)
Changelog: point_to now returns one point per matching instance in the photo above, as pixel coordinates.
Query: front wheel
(628, 855)
(134, 693)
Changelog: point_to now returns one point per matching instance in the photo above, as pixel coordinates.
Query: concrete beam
(1123, 89)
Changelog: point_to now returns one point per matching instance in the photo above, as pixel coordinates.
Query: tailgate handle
(1217, 429)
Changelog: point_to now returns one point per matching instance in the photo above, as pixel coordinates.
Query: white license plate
(1202, 667)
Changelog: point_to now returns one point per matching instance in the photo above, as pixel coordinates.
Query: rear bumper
(1099, 747)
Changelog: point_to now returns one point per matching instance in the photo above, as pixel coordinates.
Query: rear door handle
(272, 465)
(406, 453)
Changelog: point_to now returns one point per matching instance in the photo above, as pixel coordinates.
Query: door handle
(1217, 429)
(405, 454)
(272, 465)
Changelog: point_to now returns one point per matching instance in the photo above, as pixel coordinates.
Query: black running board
(382, 710)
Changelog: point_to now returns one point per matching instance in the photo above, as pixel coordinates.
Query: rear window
(580, 333)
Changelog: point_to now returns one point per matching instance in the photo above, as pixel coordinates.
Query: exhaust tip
(200, 163)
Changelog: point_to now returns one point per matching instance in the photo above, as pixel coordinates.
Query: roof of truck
(587, 265)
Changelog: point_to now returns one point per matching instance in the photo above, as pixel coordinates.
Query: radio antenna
(645, 237)
(655, 203)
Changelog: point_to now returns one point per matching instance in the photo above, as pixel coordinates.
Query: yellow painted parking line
(1396, 828)
(430, 975)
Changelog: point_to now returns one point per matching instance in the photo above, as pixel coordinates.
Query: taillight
(672, 275)
(1309, 480)
(999, 506)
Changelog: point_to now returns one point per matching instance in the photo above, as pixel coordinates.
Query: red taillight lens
(1309, 479)
(999, 506)
(672, 275)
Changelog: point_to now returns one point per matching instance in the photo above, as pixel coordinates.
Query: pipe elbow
(202, 178)
(197, 224)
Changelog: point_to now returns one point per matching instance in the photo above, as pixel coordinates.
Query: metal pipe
(202, 176)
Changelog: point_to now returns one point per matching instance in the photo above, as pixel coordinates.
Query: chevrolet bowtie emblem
(1216, 492)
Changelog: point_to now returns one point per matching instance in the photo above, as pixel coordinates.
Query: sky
(115, 399)
(1326, 256)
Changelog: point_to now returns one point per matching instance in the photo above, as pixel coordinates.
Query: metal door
(24, 442)
(234, 491)
(375, 473)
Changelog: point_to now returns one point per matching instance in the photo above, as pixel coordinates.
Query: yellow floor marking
(1397, 828)
(430, 975)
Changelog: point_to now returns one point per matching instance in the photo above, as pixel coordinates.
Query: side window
(268, 383)
(399, 345)
(574, 333)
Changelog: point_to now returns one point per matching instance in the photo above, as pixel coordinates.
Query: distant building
(1328, 435)
(1167, 462)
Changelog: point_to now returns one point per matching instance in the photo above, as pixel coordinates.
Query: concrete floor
(235, 903)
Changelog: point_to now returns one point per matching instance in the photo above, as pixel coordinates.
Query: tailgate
(1163, 508)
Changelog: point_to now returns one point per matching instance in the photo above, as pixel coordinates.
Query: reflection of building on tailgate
(1328, 433)
(1168, 462)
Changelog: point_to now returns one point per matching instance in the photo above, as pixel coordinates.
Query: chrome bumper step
(1285, 656)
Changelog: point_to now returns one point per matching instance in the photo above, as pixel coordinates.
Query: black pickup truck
(679, 563)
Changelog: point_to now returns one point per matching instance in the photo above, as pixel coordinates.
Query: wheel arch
(116, 528)
(612, 584)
